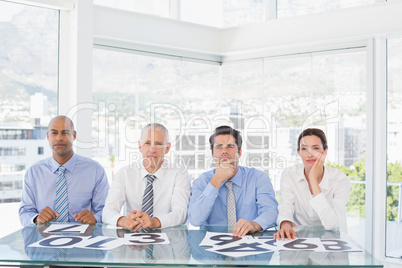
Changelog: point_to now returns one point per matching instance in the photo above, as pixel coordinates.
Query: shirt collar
(158, 174)
(69, 165)
(324, 184)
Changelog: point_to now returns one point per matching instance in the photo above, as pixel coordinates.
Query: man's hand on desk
(286, 231)
(85, 216)
(46, 215)
(42, 227)
(244, 227)
(128, 222)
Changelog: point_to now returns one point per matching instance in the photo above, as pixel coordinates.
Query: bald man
(65, 187)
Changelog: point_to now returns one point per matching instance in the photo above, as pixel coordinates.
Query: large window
(328, 91)
(269, 100)
(394, 148)
(138, 89)
(28, 96)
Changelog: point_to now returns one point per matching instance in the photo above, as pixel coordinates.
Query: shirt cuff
(265, 222)
(319, 203)
(34, 216)
(114, 219)
(210, 191)
(165, 220)
(262, 225)
(98, 218)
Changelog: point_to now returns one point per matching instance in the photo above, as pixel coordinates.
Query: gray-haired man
(155, 193)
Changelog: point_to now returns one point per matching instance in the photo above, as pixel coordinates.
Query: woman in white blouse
(312, 194)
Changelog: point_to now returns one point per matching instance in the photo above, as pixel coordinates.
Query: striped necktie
(148, 200)
(61, 196)
(231, 204)
(149, 253)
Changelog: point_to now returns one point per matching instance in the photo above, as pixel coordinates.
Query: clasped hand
(139, 219)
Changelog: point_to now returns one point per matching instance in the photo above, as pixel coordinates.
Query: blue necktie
(148, 200)
(61, 196)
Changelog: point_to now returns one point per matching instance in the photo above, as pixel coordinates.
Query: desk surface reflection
(183, 250)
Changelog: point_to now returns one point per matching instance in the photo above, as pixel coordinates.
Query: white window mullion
(271, 10)
(376, 164)
(174, 9)
(75, 71)
(380, 149)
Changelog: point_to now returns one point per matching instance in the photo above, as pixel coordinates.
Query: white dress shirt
(171, 190)
(300, 207)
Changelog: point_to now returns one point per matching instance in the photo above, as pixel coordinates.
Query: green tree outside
(357, 172)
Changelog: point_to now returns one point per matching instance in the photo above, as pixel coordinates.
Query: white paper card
(66, 228)
(146, 239)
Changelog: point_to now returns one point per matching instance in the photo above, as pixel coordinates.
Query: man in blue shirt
(254, 203)
(86, 181)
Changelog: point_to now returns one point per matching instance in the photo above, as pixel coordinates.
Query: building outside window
(28, 95)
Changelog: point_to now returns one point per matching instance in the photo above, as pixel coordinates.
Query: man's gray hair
(156, 126)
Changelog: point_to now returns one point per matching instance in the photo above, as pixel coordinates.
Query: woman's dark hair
(226, 130)
(313, 132)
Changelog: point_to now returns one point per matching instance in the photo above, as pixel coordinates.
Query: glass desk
(183, 250)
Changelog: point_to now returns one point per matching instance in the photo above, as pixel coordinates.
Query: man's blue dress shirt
(87, 187)
(254, 194)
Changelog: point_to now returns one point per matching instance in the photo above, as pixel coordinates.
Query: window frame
(75, 69)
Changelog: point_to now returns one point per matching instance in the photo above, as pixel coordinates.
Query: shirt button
(207, 210)
(216, 195)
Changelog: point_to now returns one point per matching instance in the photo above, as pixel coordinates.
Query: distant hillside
(29, 55)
